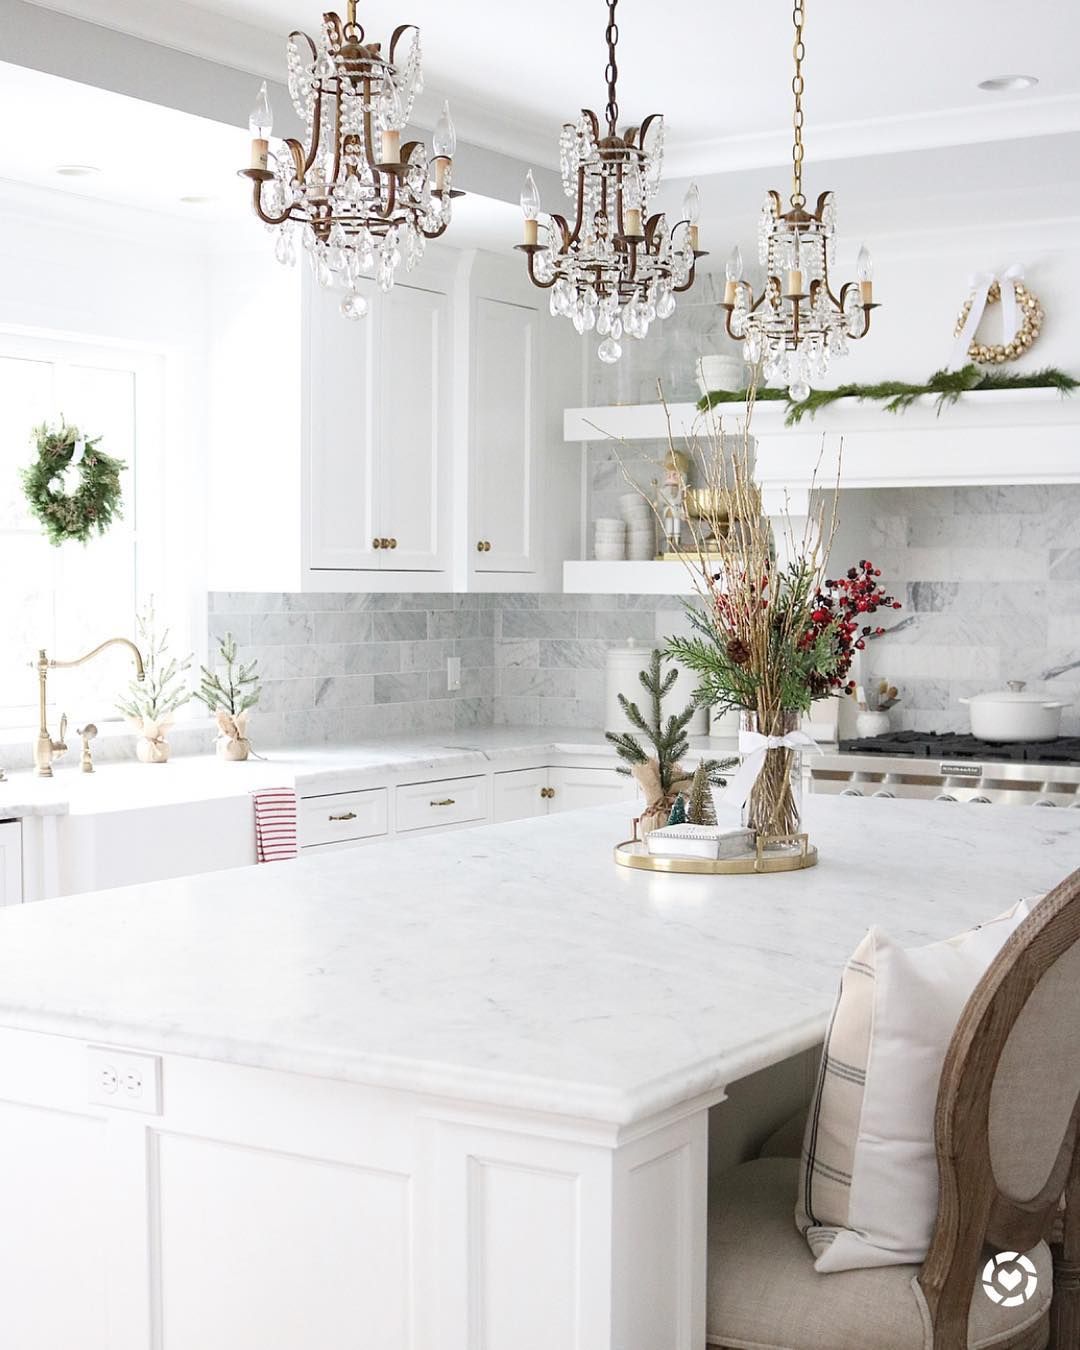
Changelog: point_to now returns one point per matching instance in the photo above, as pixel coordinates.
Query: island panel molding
(508, 1146)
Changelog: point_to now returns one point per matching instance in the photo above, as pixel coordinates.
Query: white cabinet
(378, 402)
(11, 879)
(520, 793)
(342, 817)
(445, 802)
(504, 436)
(572, 789)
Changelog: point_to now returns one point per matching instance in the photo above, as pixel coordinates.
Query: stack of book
(699, 841)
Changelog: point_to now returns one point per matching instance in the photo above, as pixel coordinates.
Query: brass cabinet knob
(547, 793)
(479, 546)
(393, 543)
(376, 543)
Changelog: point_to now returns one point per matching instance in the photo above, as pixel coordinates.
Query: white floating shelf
(1007, 436)
(626, 578)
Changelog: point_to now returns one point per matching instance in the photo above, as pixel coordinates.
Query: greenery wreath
(94, 503)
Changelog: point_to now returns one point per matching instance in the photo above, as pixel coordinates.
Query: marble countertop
(516, 964)
(127, 785)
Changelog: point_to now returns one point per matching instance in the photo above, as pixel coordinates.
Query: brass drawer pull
(345, 815)
(445, 801)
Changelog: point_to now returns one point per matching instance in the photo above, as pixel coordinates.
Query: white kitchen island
(449, 1093)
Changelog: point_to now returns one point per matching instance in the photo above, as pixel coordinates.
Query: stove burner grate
(949, 745)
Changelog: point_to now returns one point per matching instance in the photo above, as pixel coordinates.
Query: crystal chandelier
(796, 325)
(616, 268)
(359, 199)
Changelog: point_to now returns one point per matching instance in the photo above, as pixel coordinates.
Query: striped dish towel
(275, 824)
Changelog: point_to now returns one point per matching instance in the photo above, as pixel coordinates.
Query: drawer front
(518, 794)
(578, 788)
(450, 801)
(341, 816)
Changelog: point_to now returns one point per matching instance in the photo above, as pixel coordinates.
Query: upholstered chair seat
(764, 1293)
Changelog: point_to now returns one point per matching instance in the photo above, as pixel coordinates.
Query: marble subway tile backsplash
(343, 667)
(990, 580)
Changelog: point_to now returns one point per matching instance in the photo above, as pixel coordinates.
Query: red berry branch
(841, 607)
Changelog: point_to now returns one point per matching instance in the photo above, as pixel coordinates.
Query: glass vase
(773, 810)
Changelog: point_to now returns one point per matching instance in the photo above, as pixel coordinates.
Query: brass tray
(633, 853)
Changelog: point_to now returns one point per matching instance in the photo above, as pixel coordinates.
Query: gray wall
(345, 667)
(990, 580)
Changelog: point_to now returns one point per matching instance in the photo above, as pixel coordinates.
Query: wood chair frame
(972, 1209)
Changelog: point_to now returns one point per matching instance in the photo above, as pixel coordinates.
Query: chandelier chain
(798, 51)
(611, 74)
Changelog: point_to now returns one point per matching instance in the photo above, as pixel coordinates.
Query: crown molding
(972, 125)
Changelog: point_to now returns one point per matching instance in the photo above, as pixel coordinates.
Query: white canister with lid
(624, 667)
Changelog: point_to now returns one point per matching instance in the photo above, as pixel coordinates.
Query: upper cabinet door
(340, 389)
(412, 502)
(504, 437)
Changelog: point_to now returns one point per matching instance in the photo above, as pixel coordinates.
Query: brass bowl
(705, 504)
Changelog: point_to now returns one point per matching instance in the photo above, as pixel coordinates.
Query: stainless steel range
(952, 768)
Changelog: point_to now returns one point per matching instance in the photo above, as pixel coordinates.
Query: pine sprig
(667, 736)
(898, 395)
(238, 691)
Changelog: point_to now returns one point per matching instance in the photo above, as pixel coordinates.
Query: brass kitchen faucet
(45, 748)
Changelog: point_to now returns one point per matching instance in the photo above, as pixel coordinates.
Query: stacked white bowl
(640, 521)
(610, 538)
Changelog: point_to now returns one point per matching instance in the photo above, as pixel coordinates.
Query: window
(68, 599)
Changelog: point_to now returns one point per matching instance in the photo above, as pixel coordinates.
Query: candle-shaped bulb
(444, 139)
(261, 121)
(530, 197)
(691, 205)
(733, 266)
(864, 265)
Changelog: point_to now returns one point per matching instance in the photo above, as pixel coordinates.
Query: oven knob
(851, 792)
(883, 793)
(944, 797)
(1043, 801)
(982, 801)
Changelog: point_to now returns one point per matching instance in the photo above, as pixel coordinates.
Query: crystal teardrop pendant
(609, 351)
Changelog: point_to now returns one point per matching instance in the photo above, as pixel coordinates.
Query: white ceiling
(151, 157)
(879, 77)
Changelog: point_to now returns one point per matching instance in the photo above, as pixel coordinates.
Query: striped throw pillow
(868, 1177)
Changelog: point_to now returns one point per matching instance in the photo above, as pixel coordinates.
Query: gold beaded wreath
(1031, 317)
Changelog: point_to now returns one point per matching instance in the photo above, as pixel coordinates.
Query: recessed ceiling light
(1002, 84)
(76, 170)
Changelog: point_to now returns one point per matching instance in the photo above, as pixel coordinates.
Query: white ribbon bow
(754, 747)
(980, 289)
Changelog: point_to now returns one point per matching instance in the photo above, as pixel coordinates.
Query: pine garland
(92, 506)
(897, 396)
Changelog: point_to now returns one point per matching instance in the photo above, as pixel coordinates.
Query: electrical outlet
(123, 1079)
(453, 672)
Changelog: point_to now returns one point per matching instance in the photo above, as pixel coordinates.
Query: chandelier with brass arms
(360, 201)
(797, 324)
(615, 268)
